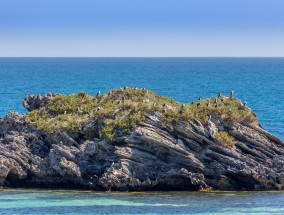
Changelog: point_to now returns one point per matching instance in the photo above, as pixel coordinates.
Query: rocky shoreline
(152, 154)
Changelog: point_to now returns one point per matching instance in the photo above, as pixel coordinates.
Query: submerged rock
(154, 154)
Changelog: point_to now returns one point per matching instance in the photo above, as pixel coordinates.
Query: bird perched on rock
(97, 109)
(209, 118)
(199, 98)
(232, 95)
(109, 93)
(220, 94)
(144, 90)
(98, 93)
(79, 112)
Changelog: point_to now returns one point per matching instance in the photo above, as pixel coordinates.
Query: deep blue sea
(259, 81)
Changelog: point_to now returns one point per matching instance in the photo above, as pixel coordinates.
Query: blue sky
(141, 28)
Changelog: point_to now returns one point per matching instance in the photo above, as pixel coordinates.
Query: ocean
(258, 81)
(35, 202)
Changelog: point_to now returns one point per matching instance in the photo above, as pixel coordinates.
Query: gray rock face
(183, 156)
(32, 102)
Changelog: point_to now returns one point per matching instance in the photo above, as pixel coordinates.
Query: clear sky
(141, 28)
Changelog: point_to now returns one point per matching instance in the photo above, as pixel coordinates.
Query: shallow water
(78, 202)
(259, 81)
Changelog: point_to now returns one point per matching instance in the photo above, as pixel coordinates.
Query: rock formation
(153, 155)
(32, 102)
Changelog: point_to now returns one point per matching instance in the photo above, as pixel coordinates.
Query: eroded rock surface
(32, 102)
(181, 156)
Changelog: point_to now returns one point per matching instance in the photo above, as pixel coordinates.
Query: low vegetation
(118, 111)
(223, 138)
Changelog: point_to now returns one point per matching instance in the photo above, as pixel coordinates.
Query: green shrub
(121, 109)
(223, 138)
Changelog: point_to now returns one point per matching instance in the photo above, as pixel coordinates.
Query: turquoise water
(71, 202)
(259, 81)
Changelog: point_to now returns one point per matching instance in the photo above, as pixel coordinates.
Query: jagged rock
(153, 156)
(3, 173)
(32, 102)
(212, 128)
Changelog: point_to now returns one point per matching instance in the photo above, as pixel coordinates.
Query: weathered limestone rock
(181, 156)
(3, 173)
(32, 102)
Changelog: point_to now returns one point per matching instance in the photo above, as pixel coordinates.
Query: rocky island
(132, 139)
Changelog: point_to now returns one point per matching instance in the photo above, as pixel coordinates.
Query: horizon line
(141, 56)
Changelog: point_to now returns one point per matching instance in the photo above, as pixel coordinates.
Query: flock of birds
(220, 95)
